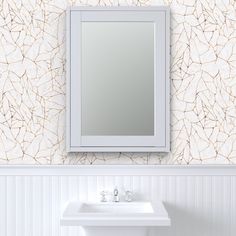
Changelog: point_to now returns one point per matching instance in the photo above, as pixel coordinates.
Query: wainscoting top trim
(118, 170)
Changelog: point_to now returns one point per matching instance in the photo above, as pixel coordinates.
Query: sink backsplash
(203, 84)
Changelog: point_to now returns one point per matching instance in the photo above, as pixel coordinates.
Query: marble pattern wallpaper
(32, 83)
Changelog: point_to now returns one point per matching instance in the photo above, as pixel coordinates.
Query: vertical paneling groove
(144, 187)
(64, 192)
(37, 209)
(192, 204)
(83, 188)
(51, 226)
(76, 196)
(168, 190)
(58, 205)
(172, 192)
(216, 198)
(233, 206)
(118, 183)
(72, 187)
(20, 206)
(180, 199)
(226, 203)
(170, 197)
(110, 183)
(3, 205)
(92, 188)
(185, 209)
(210, 203)
(127, 183)
(11, 206)
(163, 182)
(137, 187)
(28, 207)
(47, 208)
(100, 185)
(154, 188)
(71, 181)
(44, 204)
(199, 204)
(55, 206)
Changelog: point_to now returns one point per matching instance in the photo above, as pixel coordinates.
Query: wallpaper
(32, 83)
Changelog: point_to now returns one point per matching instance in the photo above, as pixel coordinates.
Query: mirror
(117, 78)
(117, 86)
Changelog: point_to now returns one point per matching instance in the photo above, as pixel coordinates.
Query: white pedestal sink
(115, 219)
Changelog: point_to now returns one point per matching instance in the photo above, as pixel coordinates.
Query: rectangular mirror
(117, 79)
(117, 83)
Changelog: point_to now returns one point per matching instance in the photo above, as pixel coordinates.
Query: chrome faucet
(116, 195)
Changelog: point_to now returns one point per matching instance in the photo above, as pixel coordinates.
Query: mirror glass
(117, 78)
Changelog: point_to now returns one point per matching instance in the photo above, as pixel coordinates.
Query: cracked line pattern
(32, 83)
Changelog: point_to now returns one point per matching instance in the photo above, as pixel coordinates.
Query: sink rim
(71, 215)
(119, 208)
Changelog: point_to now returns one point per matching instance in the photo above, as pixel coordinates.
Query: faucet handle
(103, 196)
(128, 196)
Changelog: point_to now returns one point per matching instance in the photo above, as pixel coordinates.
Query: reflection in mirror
(117, 78)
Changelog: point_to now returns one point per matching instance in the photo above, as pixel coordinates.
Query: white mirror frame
(160, 141)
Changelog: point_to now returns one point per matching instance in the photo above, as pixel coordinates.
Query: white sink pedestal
(115, 231)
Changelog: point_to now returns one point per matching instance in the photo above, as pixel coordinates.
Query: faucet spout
(116, 195)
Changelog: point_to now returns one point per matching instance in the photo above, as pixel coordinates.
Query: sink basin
(116, 208)
(115, 214)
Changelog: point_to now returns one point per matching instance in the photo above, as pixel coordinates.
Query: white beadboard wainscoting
(201, 200)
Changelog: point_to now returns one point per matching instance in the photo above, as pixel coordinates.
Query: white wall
(200, 201)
